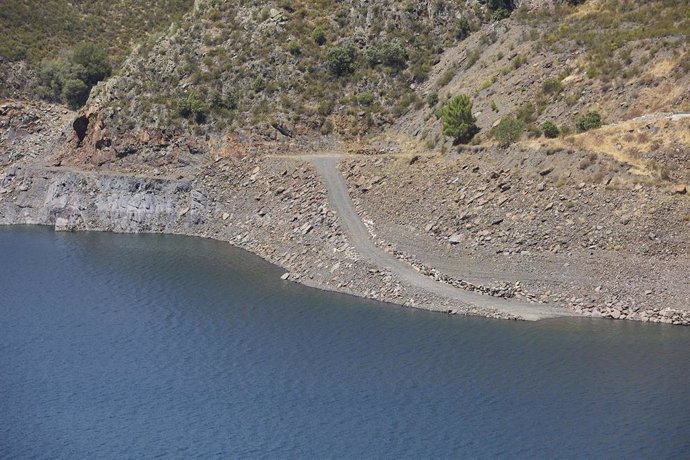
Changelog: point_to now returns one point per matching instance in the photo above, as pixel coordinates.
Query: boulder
(456, 238)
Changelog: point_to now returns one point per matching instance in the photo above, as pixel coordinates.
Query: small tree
(70, 77)
(394, 55)
(552, 86)
(365, 98)
(457, 119)
(193, 106)
(550, 129)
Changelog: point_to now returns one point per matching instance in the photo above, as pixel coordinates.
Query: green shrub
(590, 120)
(457, 119)
(550, 129)
(192, 106)
(500, 9)
(394, 55)
(391, 55)
(432, 99)
(462, 28)
(472, 58)
(319, 36)
(259, 84)
(75, 93)
(508, 131)
(341, 59)
(365, 98)
(69, 79)
(552, 86)
(526, 113)
(326, 127)
(294, 47)
(93, 63)
(218, 101)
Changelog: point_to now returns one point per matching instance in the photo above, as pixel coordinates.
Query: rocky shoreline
(276, 208)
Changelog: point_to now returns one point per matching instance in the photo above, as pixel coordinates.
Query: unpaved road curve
(360, 239)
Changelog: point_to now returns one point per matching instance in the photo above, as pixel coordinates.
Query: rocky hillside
(39, 39)
(622, 60)
(295, 75)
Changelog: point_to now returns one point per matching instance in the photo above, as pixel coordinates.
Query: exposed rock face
(78, 201)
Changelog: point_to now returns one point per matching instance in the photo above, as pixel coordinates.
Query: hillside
(304, 73)
(34, 33)
(37, 36)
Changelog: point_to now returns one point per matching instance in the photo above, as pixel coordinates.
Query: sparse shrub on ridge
(552, 86)
(590, 120)
(462, 28)
(508, 131)
(294, 47)
(550, 129)
(192, 106)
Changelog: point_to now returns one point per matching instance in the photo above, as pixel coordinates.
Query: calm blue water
(140, 346)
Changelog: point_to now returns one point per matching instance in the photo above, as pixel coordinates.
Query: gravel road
(360, 239)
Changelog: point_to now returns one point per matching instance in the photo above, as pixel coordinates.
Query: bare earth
(360, 238)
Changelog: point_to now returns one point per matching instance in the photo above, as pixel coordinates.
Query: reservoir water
(142, 346)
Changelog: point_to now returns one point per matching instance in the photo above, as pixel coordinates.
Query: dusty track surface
(360, 239)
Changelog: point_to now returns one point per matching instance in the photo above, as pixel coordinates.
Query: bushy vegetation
(590, 120)
(462, 28)
(499, 8)
(552, 86)
(341, 59)
(69, 78)
(193, 106)
(550, 129)
(319, 36)
(457, 119)
(392, 55)
(365, 98)
(508, 131)
(34, 31)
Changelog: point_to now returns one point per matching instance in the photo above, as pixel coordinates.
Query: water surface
(140, 346)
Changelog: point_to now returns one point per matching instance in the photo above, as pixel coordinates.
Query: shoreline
(311, 247)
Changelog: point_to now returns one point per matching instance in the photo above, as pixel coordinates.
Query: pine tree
(457, 119)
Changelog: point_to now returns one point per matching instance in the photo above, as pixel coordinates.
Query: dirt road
(360, 239)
